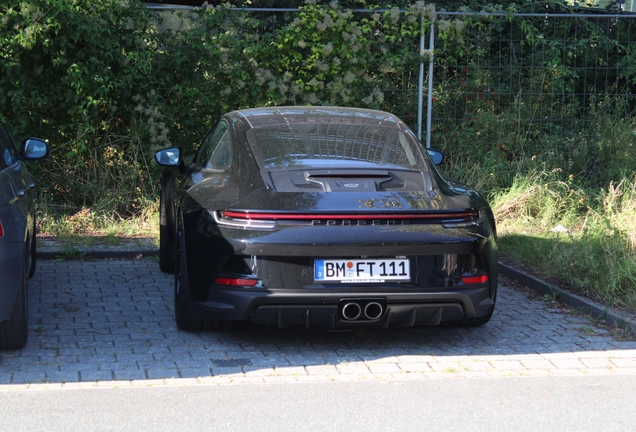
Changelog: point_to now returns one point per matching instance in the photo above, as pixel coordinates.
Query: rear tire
(184, 313)
(14, 331)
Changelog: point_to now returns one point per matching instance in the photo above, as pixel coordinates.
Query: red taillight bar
(235, 281)
(340, 216)
(473, 280)
(2, 230)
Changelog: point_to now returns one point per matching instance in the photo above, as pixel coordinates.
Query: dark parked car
(322, 216)
(17, 236)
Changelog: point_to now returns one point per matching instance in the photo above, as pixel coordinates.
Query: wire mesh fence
(508, 86)
(532, 77)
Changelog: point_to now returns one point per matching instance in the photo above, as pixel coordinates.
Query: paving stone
(353, 368)
(597, 363)
(162, 373)
(414, 367)
(507, 365)
(28, 378)
(129, 374)
(537, 364)
(284, 379)
(321, 370)
(54, 376)
(96, 375)
(568, 364)
(383, 368)
(624, 362)
(444, 366)
(473, 366)
(291, 370)
(223, 371)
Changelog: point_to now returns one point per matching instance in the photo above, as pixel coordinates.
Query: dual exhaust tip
(362, 310)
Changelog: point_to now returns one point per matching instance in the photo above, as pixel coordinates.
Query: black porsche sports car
(322, 216)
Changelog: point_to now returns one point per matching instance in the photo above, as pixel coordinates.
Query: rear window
(333, 145)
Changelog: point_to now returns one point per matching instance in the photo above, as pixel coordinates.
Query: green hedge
(109, 81)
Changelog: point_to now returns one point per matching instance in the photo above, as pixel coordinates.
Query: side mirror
(436, 156)
(34, 148)
(170, 157)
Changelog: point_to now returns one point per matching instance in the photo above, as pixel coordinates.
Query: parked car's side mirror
(436, 156)
(34, 148)
(169, 157)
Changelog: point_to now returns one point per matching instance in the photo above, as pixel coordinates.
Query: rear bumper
(338, 309)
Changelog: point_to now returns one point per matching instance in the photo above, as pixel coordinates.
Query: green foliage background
(108, 82)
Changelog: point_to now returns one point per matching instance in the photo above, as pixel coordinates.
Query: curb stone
(98, 254)
(596, 310)
(125, 249)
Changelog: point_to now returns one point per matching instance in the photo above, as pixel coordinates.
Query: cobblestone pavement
(109, 323)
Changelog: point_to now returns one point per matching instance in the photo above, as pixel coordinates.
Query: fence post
(420, 95)
(429, 108)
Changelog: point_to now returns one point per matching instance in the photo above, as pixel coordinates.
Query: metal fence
(541, 75)
(521, 77)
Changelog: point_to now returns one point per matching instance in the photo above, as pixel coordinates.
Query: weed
(588, 331)
(552, 299)
(89, 241)
(71, 253)
(622, 335)
(112, 239)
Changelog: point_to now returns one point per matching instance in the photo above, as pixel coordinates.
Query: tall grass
(73, 222)
(583, 238)
(107, 185)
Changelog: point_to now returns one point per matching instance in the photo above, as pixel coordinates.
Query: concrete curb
(596, 310)
(96, 254)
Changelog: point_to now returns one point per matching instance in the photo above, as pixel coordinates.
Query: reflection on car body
(322, 216)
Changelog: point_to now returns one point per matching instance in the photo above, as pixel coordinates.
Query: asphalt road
(103, 346)
(589, 403)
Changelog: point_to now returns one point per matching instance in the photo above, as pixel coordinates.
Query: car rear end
(346, 269)
(353, 227)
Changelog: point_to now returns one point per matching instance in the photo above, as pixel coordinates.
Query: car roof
(268, 116)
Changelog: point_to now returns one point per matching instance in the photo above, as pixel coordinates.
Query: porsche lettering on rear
(359, 222)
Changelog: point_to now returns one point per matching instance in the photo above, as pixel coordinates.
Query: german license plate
(362, 270)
